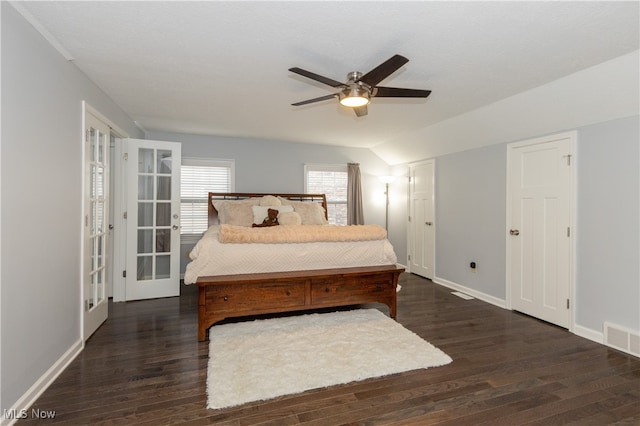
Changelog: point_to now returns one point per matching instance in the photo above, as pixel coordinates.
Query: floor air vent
(622, 339)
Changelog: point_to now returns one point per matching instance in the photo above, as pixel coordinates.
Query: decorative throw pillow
(289, 218)
(310, 213)
(270, 220)
(236, 212)
(270, 200)
(261, 212)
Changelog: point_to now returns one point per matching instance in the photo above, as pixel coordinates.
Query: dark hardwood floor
(145, 366)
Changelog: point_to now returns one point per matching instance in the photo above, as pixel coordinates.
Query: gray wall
(608, 253)
(471, 217)
(266, 166)
(41, 193)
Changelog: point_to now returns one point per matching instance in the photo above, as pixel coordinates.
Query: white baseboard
(34, 392)
(587, 333)
(471, 292)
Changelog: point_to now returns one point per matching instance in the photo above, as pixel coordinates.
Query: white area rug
(263, 359)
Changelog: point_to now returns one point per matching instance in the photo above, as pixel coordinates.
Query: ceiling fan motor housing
(356, 93)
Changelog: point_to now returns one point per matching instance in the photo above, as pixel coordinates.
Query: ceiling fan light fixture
(355, 96)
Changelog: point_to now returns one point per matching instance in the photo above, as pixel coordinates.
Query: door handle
(428, 223)
(514, 232)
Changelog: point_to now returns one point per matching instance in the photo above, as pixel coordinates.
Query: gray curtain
(355, 214)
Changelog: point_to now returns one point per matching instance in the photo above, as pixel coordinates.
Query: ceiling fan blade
(361, 111)
(317, 77)
(395, 92)
(310, 101)
(383, 70)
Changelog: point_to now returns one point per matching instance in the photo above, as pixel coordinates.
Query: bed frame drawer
(357, 288)
(248, 297)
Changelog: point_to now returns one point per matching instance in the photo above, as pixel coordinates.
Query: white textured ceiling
(221, 68)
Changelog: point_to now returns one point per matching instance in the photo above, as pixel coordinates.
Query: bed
(303, 264)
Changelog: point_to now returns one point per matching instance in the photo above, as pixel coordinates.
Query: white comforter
(211, 257)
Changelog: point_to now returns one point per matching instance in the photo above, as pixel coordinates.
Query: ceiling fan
(360, 88)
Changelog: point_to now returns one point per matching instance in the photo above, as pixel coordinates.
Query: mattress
(211, 257)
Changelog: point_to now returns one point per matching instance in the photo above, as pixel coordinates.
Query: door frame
(119, 199)
(573, 137)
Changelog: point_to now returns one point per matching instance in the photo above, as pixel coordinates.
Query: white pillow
(235, 212)
(289, 218)
(310, 213)
(260, 213)
(270, 200)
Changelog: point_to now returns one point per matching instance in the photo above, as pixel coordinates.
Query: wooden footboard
(228, 296)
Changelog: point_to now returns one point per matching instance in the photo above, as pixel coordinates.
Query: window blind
(330, 180)
(196, 182)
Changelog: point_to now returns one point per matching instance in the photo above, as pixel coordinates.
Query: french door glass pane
(145, 214)
(163, 266)
(163, 214)
(145, 241)
(145, 187)
(164, 161)
(100, 217)
(164, 188)
(144, 268)
(163, 240)
(93, 144)
(92, 181)
(145, 160)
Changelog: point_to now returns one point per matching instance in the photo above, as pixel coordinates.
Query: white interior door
(539, 236)
(153, 221)
(96, 222)
(421, 219)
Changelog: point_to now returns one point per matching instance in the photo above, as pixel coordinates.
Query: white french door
(421, 219)
(153, 219)
(539, 237)
(96, 223)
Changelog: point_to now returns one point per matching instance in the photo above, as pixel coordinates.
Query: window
(330, 180)
(198, 177)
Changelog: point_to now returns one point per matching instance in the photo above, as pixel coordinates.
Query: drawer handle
(327, 290)
(226, 298)
(288, 293)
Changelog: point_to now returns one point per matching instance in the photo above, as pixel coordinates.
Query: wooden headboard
(215, 196)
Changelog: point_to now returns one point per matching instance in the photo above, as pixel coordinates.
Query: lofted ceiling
(221, 68)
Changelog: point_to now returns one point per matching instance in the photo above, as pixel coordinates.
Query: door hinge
(409, 257)
(409, 218)
(124, 274)
(567, 303)
(86, 135)
(568, 159)
(125, 156)
(124, 215)
(568, 231)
